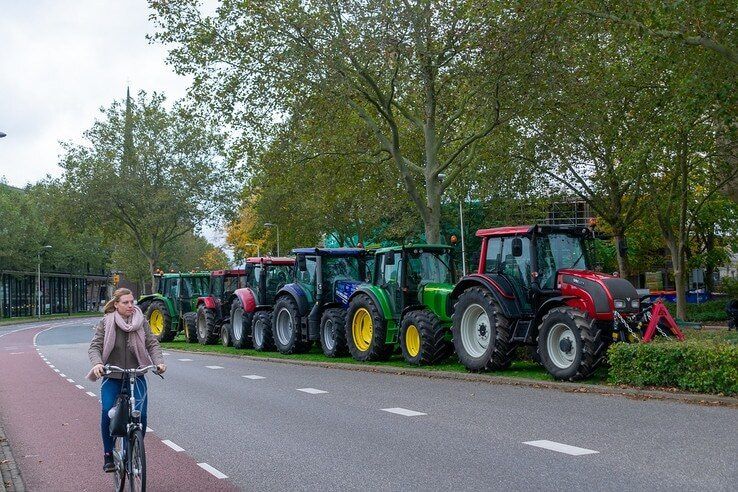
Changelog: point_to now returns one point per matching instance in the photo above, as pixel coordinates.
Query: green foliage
(703, 312)
(729, 286)
(699, 366)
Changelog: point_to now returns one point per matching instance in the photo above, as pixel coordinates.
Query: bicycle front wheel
(119, 475)
(137, 468)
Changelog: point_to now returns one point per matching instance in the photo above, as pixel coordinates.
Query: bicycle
(130, 465)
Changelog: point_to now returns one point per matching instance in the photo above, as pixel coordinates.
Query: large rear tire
(207, 332)
(286, 327)
(422, 338)
(160, 321)
(481, 332)
(570, 344)
(190, 327)
(366, 330)
(262, 331)
(333, 332)
(241, 323)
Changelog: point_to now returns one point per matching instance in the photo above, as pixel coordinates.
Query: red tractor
(214, 310)
(535, 286)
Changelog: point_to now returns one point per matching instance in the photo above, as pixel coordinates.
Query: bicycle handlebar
(139, 370)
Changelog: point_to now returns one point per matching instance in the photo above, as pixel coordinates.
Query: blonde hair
(110, 305)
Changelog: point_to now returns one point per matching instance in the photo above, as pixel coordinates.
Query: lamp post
(258, 248)
(270, 224)
(38, 281)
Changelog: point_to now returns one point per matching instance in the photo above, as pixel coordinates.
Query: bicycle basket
(119, 419)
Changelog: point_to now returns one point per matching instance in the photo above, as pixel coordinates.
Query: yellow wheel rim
(412, 340)
(361, 328)
(156, 322)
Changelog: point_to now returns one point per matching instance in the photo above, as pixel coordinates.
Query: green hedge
(699, 365)
(704, 312)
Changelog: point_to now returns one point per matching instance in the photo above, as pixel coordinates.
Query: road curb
(633, 393)
(10, 477)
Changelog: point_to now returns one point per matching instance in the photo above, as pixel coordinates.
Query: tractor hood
(608, 293)
(435, 297)
(343, 290)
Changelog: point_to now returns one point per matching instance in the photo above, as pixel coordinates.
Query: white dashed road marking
(212, 471)
(16, 353)
(165, 353)
(253, 376)
(149, 429)
(80, 386)
(185, 360)
(70, 380)
(561, 448)
(403, 411)
(214, 367)
(91, 393)
(311, 391)
(56, 370)
(62, 375)
(172, 445)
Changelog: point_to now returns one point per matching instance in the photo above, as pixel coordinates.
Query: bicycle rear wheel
(137, 457)
(119, 475)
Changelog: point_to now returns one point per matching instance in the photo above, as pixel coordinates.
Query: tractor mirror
(389, 259)
(301, 264)
(517, 247)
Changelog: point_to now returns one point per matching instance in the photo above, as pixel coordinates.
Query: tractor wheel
(366, 330)
(333, 332)
(144, 306)
(262, 331)
(207, 332)
(480, 331)
(241, 323)
(570, 345)
(190, 327)
(422, 338)
(160, 321)
(286, 323)
(226, 337)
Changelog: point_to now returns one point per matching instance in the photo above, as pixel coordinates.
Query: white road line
(403, 411)
(185, 360)
(15, 353)
(253, 376)
(172, 445)
(561, 448)
(91, 393)
(214, 367)
(56, 370)
(212, 471)
(165, 353)
(62, 375)
(70, 380)
(311, 391)
(149, 429)
(51, 365)
(80, 386)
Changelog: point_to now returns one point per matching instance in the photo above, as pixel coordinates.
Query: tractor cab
(267, 276)
(330, 275)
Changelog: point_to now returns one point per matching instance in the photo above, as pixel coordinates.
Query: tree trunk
(680, 281)
(432, 220)
(623, 263)
(152, 271)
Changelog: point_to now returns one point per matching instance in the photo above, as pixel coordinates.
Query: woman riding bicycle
(122, 338)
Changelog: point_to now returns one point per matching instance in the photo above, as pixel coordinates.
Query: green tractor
(406, 303)
(169, 308)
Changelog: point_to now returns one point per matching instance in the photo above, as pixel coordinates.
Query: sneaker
(109, 465)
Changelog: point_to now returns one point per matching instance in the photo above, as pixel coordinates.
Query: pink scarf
(136, 339)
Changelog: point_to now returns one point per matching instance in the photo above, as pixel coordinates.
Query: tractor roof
(184, 274)
(330, 251)
(438, 247)
(525, 230)
(270, 260)
(225, 273)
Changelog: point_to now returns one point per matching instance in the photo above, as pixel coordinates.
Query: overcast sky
(60, 61)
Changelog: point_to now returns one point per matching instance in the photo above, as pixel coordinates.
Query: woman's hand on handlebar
(98, 370)
(161, 369)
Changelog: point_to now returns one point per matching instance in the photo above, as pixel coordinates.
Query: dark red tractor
(214, 310)
(535, 286)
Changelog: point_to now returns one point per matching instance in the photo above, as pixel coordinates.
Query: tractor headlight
(635, 304)
(619, 304)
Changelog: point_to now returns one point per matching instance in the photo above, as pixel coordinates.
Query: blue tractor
(314, 306)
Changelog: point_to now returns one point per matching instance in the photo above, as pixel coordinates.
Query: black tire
(432, 347)
(333, 332)
(226, 336)
(144, 306)
(241, 335)
(167, 332)
(137, 455)
(377, 349)
(190, 327)
(119, 475)
(580, 339)
(478, 358)
(262, 331)
(287, 337)
(207, 332)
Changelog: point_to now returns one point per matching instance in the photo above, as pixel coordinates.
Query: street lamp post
(38, 281)
(258, 248)
(270, 224)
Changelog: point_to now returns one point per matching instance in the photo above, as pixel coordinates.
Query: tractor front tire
(333, 332)
(366, 330)
(422, 338)
(160, 321)
(570, 345)
(241, 324)
(262, 331)
(226, 337)
(207, 332)
(481, 332)
(286, 327)
(190, 327)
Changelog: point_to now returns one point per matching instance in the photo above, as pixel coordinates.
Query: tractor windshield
(556, 252)
(426, 267)
(340, 268)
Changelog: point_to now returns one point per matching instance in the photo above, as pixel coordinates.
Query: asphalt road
(272, 431)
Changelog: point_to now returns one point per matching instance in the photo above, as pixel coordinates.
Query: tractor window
(256, 277)
(233, 283)
(428, 267)
(308, 276)
(390, 274)
(198, 286)
(517, 268)
(555, 252)
(277, 277)
(172, 288)
(217, 286)
(494, 255)
(340, 268)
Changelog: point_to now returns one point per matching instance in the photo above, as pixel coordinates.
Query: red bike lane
(54, 430)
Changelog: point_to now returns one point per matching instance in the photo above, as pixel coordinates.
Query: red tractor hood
(597, 292)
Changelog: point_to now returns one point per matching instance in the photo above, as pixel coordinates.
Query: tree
(431, 80)
(148, 174)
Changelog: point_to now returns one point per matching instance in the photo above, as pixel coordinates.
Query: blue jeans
(109, 391)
